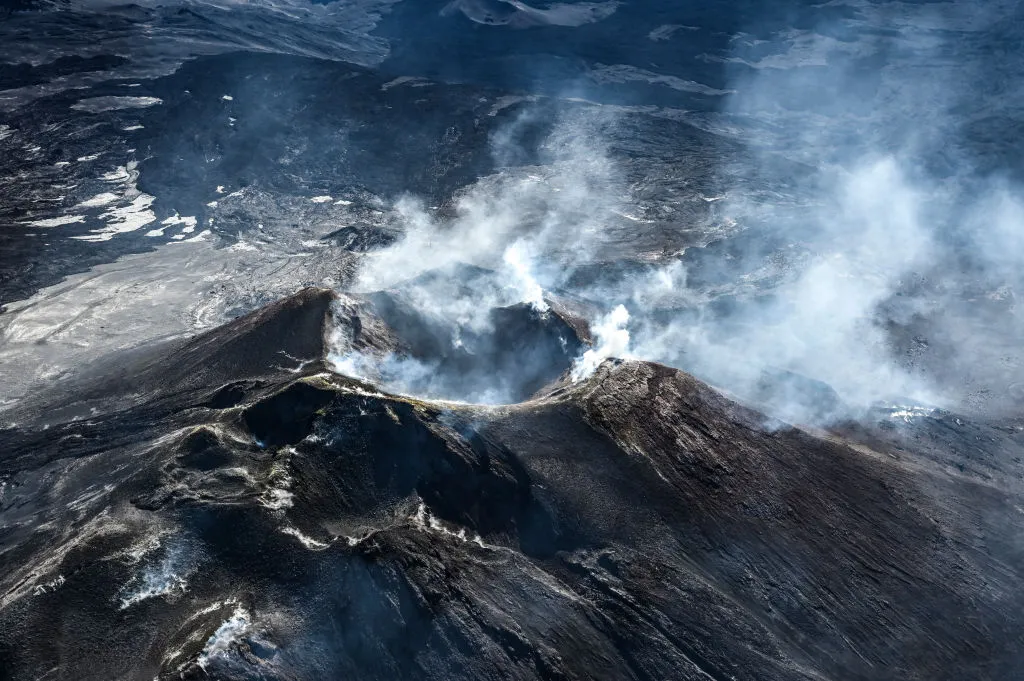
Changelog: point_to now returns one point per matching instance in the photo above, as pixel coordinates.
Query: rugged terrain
(487, 339)
(227, 506)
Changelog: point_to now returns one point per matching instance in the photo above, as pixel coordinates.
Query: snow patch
(622, 73)
(242, 246)
(666, 31)
(401, 80)
(508, 100)
(47, 587)
(277, 499)
(521, 15)
(135, 215)
(189, 222)
(166, 577)
(424, 520)
(306, 540)
(202, 236)
(99, 200)
(57, 221)
(118, 174)
(100, 104)
(907, 414)
(230, 632)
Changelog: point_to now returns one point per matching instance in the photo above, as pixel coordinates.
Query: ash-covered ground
(500, 340)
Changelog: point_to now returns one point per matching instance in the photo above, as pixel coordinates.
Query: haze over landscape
(494, 339)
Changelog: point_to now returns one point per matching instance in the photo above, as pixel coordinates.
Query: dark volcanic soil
(204, 509)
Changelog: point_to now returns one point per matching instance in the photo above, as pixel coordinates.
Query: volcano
(511, 339)
(227, 506)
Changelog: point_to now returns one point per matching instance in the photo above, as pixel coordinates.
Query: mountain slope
(235, 517)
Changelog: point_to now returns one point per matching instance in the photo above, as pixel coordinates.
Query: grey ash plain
(296, 298)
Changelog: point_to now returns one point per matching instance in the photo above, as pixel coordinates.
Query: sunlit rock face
(500, 339)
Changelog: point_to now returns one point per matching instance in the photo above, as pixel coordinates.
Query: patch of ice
(322, 199)
(85, 159)
(133, 128)
(227, 98)
(342, 202)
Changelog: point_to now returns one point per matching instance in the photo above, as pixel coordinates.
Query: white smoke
(508, 239)
(821, 323)
(901, 229)
(844, 244)
(522, 279)
(612, 340)
(529, 221)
